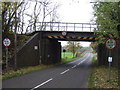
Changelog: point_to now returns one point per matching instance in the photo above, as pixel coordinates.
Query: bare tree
(8, 13)
(42, 10)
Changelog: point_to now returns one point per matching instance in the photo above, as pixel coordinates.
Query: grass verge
(22, 71)
(99, 77)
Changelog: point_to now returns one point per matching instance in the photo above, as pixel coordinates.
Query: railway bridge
(44, 47)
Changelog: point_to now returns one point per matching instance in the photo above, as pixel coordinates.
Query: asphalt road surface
(71, 75)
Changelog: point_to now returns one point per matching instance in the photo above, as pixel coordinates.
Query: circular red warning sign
(6, 42)
(111, 43)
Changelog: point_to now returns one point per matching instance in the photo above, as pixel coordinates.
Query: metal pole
(15, 40)
(90, 27)
(39, 52)
(66, 26)
(82, 27)
(58, 26)
(109, 70)
(74, 27)
(6, 57)
(109, 65)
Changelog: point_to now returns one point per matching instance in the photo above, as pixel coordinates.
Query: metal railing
(62, 26)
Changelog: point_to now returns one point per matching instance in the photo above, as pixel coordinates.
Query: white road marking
(42, 84)
(81, 62)
(65, 71)
(74, 66)
(60, 73)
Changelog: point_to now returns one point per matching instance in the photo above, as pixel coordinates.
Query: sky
(73, 11)
(76, 11)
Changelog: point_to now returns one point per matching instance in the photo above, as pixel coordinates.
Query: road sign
(6, 42)
(64, 50)
(110, 59)
(64, 33)
(110, 43)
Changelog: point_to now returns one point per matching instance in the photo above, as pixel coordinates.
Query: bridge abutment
(38, 50)
(50, 51)
(104, 53)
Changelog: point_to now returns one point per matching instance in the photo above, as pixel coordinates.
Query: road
(71, 75)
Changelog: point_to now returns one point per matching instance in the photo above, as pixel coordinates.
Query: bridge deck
(70, 35)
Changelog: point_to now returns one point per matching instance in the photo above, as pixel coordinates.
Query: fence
(62, 26)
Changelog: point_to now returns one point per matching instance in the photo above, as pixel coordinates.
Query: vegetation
(67, 55)
(107, 16)
(22, 71)
(99, 77)
(94, 46)
(14, 15)
(66, 60)
(73, 47)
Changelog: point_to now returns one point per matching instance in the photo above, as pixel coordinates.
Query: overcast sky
(77, 11)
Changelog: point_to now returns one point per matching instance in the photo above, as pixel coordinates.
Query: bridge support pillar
(49, 51)
(103, 54)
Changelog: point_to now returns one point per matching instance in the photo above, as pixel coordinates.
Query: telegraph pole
(15, 40)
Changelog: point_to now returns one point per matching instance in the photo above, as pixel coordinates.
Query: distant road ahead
(71, 75)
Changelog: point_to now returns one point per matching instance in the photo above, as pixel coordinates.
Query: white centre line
(65, 71)
(84, 59)
(42, 84)
(81, 62)
(74, 66)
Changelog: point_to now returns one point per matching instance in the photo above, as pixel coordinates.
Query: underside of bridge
(43, 47)
(50, 48)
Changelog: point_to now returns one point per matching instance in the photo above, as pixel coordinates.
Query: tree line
(107, 16)
(27, 13)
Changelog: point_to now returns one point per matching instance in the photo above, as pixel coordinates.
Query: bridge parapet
(62, 26)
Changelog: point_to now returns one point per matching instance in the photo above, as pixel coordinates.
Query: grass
(70, 60)
(99, 76)
(66, 60)
(91, 77)
(67, 55)
(22, 71)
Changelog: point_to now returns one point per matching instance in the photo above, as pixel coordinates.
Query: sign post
(64, 52)
(6, 43)
(110, 44)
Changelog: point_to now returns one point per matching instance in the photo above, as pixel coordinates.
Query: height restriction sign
(110, 43)
(6, 42)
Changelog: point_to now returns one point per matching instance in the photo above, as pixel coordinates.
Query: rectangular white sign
(109, 59)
